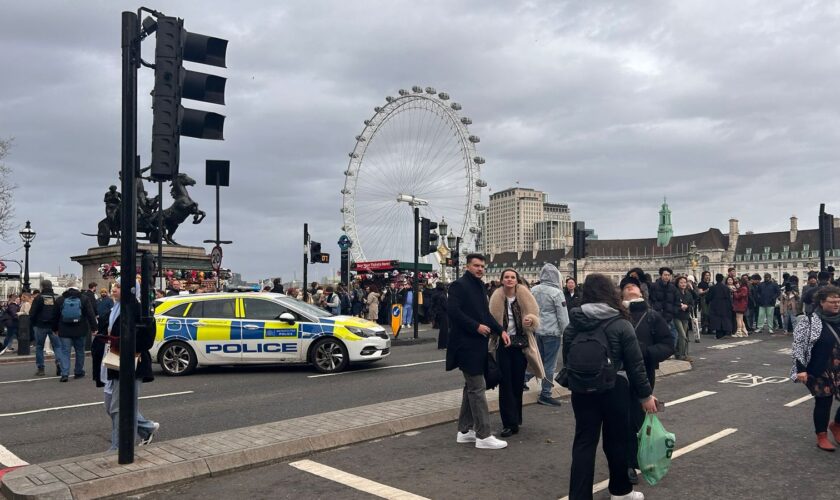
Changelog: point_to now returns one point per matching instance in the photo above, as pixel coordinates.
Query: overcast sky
(728, 108)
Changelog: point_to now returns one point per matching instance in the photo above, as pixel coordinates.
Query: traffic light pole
(128, 230)
(160, 237)
(415, 299)
(305, 261)
(574, 270)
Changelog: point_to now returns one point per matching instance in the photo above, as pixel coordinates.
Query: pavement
(743, 431)
(208, 455)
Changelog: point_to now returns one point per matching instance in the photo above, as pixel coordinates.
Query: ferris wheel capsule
(417, 89)
(466, 121)
(443, 96)
(431, 90)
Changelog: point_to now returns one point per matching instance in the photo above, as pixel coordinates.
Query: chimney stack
(837, 222)
(733, 234)
(794, 228)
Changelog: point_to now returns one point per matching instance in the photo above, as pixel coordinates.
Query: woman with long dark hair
(515, 308)
(601, 308)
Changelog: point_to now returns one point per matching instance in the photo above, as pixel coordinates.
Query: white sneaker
(633, 495)
(466, 437)
(3, 351)
(490, 443)
(151, 435)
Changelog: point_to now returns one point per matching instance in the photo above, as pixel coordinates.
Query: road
(738, 437)
(213, 399)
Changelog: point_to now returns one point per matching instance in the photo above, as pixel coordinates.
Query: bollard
(24, 335)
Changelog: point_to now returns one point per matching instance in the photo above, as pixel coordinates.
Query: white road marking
(376, 369)
(56, 408)
(9, 459)
(799, 401)
(703, 442)
(701, 394)
(682, 451)
(730, 345)
(29, 380)
(356, 482)
(750, 380)
(785, 350)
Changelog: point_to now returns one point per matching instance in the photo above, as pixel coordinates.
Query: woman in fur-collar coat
(513, 306)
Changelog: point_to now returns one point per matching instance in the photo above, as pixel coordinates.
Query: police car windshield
(305, 308)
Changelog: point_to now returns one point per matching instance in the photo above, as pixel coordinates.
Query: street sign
(344, 243)
(2, 266)
(396, 319)
(216, 258)
(9, 276)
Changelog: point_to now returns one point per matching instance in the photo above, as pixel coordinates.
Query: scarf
(831, 319)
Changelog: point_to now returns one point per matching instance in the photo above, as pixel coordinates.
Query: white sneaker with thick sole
(466, 437)
(148, 439)
(633, 495)
(490, 443)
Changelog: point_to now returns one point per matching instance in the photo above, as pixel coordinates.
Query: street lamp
(442, 228)
(693, 257)
(450, 241)
(27, 235)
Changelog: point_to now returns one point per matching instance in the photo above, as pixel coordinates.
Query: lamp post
(27, 235)
(414, 203)
(693, 257)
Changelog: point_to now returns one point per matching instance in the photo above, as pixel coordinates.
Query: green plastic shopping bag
(656, 445)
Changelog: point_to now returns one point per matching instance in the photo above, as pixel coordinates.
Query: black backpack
(588, 367)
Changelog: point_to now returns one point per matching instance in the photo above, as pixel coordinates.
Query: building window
(805, 247)
(786, 248)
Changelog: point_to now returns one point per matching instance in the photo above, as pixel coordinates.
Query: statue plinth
(174, 257)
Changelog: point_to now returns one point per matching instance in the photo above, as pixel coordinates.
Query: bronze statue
(149, 212)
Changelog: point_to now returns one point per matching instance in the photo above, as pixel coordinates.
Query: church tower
(663, 236)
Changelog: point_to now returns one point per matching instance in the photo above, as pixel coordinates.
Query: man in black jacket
(41, 316)
(663, 298)
(470, 324)
(73, 323)
(655, 343)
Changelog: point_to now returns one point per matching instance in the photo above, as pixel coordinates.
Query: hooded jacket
(767, 293)
(624, 347)
(554, 316)
(663, 298)
(654, 336)
(43, 309)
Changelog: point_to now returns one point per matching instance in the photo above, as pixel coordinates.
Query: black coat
(43, 309)
(86, 325)
(624, 347)
(468, 307)
(688, 299)
(719, 299)
(663, 298)
(654, 336)
(143, 342)
(571, 302)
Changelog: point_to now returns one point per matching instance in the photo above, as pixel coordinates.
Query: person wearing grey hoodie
(554, 318)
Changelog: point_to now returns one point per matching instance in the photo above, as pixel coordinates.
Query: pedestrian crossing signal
(324, 258)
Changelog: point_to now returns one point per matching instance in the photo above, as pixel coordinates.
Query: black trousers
(822, 413)
(512, 366)
(443, 334)
(592, 413)
(635, 419)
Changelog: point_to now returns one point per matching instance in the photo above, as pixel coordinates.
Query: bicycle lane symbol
(750, 380)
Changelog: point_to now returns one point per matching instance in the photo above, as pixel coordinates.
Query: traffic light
(826, 231)
(314, 252)
(428, 238)
(578, 240)
(173, 83)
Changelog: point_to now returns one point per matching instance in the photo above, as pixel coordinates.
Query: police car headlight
(361, 332)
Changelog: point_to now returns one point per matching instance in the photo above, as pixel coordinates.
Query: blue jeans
(11, 334)
(674, 335)
(41, 335)
(407, 314)
(789, 321)
(549, 346)
(68, 344)
(143, 426)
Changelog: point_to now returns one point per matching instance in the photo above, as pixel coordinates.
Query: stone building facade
(793, 251)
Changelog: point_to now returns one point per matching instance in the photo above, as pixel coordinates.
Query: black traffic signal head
(173, 83)
(314, 252)
(578, 240)
(428, 238)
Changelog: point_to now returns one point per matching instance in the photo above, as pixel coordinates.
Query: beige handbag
(112, 358)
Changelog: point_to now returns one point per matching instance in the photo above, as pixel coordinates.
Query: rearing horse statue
(181, 208)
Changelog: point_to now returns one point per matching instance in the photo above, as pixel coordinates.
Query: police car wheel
(177, 359)
(329, 356)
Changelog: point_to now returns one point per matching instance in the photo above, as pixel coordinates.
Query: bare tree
(7, 187)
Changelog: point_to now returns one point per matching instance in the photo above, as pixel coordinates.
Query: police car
(257, 328)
